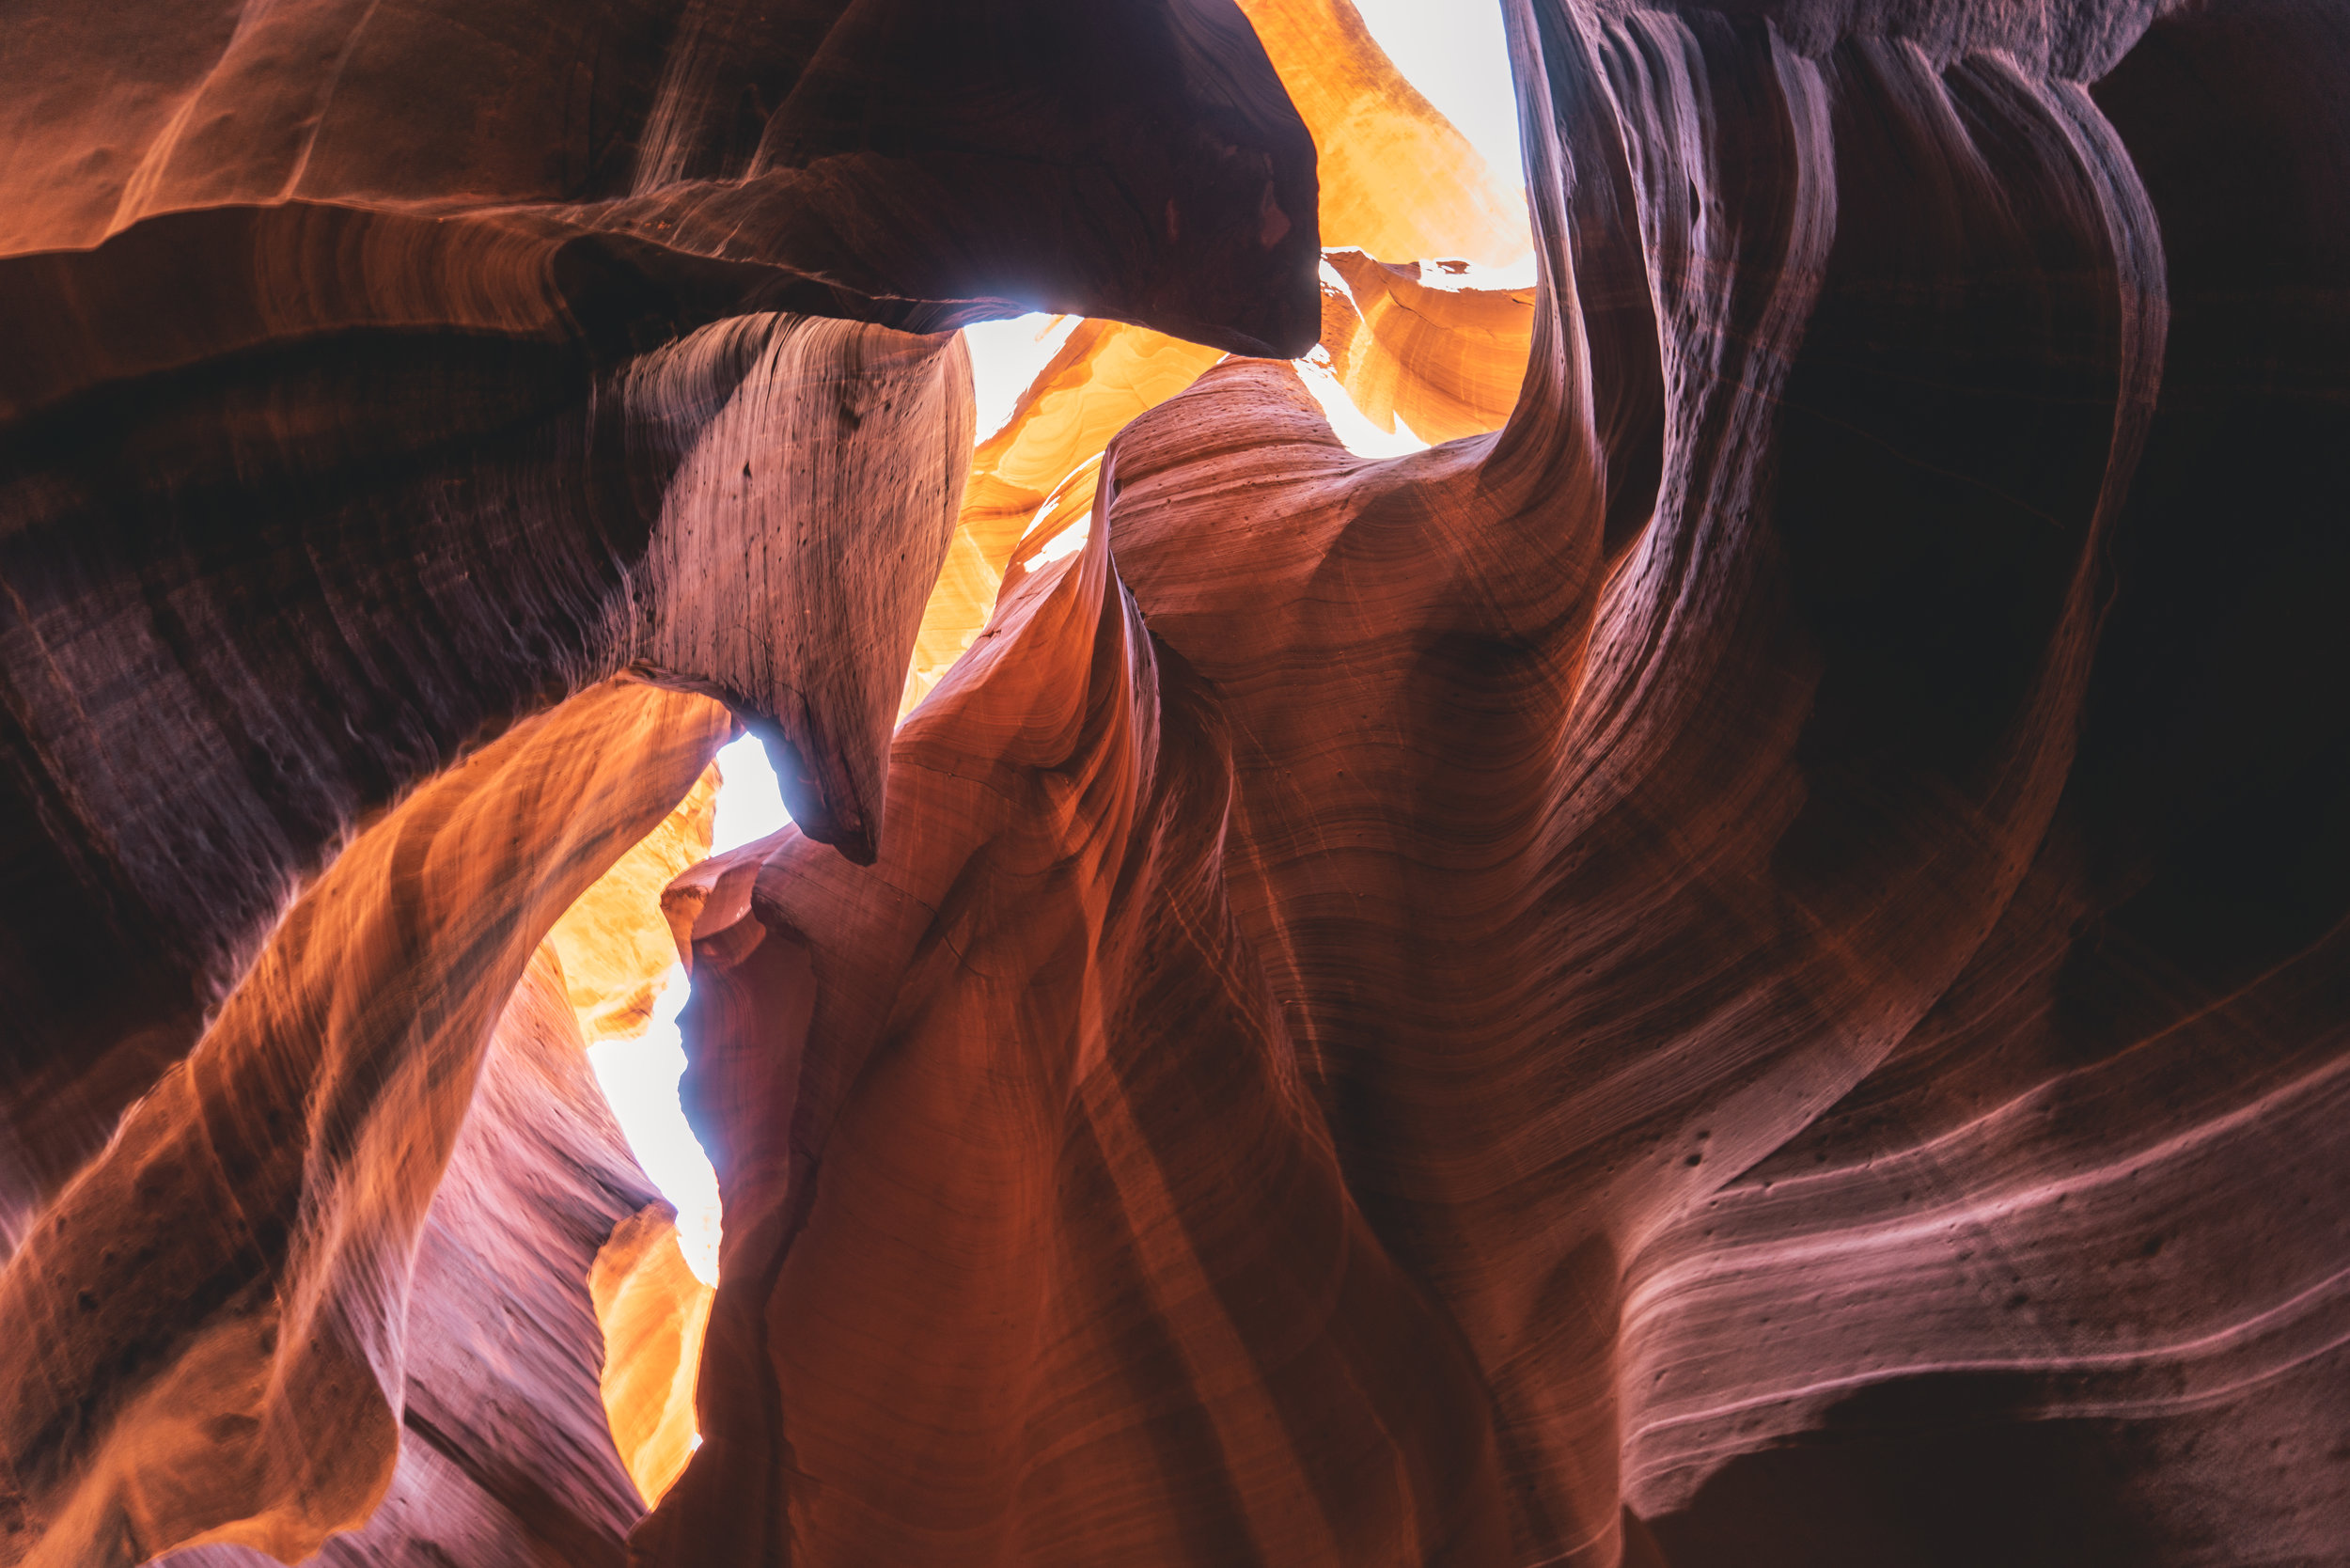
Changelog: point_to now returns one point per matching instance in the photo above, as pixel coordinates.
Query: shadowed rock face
(212, 1329)
(1747, 967)
(435, 162)
(536, 1182)
(1745, 913)
(250, 611)
(379, 375)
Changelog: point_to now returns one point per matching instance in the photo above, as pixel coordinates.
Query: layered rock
(1746, 968)
(1035, 476)
(1095, 1287)
(295, 618)
(1397, 181)
(211, 1328)
(502, 166)
(1746, 873)
(653, 1313)
(1443, 348)
(2066, 1284)
(330, 456)
(382, 376)
(505, 1455)
(1426, 344)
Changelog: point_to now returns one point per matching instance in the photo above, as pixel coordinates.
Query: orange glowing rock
(1397, 178)
(653, 1311)
(1104, 374)
(613, 944)
(208, 1330)
(1743, 966)
(1448, 358)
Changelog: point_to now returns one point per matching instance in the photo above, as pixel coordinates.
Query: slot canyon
(1622, 842)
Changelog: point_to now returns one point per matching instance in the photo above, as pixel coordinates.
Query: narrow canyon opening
(652, 1316)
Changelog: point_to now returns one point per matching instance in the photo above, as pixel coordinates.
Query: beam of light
(1458, 56)
(639, 1079)
(1004, 357)
(750, 802)
(1066, 542)
(639, 1076)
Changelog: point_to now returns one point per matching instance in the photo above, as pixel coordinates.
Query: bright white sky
(1006, 356)
(639, 1076)
(639, 1079)
(1455, 53)
(750, 802)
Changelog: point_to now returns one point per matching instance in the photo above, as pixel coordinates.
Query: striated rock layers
(379, 378)
(1750, 969)
(213, 1330)
(506, 1454)
(379, 375)
(1747, 968)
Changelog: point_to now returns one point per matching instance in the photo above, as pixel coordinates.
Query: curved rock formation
(498, 1324)
(211, 1327)
(2075, 1247)
(1040, 1034)
(1447, 355)
(1427, 344)
(1746, 968)
(1742, 871)
(294, 647)
(1102, 375)
(379, 376)
(1397, 179)
(497, 164)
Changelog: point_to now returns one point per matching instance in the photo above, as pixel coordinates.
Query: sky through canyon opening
(1458, 58)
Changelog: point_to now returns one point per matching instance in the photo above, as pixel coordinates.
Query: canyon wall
(1741, 962)
(1775, 883)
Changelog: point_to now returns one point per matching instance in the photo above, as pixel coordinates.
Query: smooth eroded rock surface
(1740, 963)
(1813, 955)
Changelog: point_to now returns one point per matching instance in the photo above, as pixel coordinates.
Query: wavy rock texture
(1043, 1001)
(876, 159)
(367, 398)
(653, 1314)
(295, 607)
(531, 1231)
(1446, 355)
(1398, 181)
(379, 375)
(1745, 968)
(210, 1329)
(1756, 915)
(2073, 1245)
(505, 1455)
(1103, 376)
